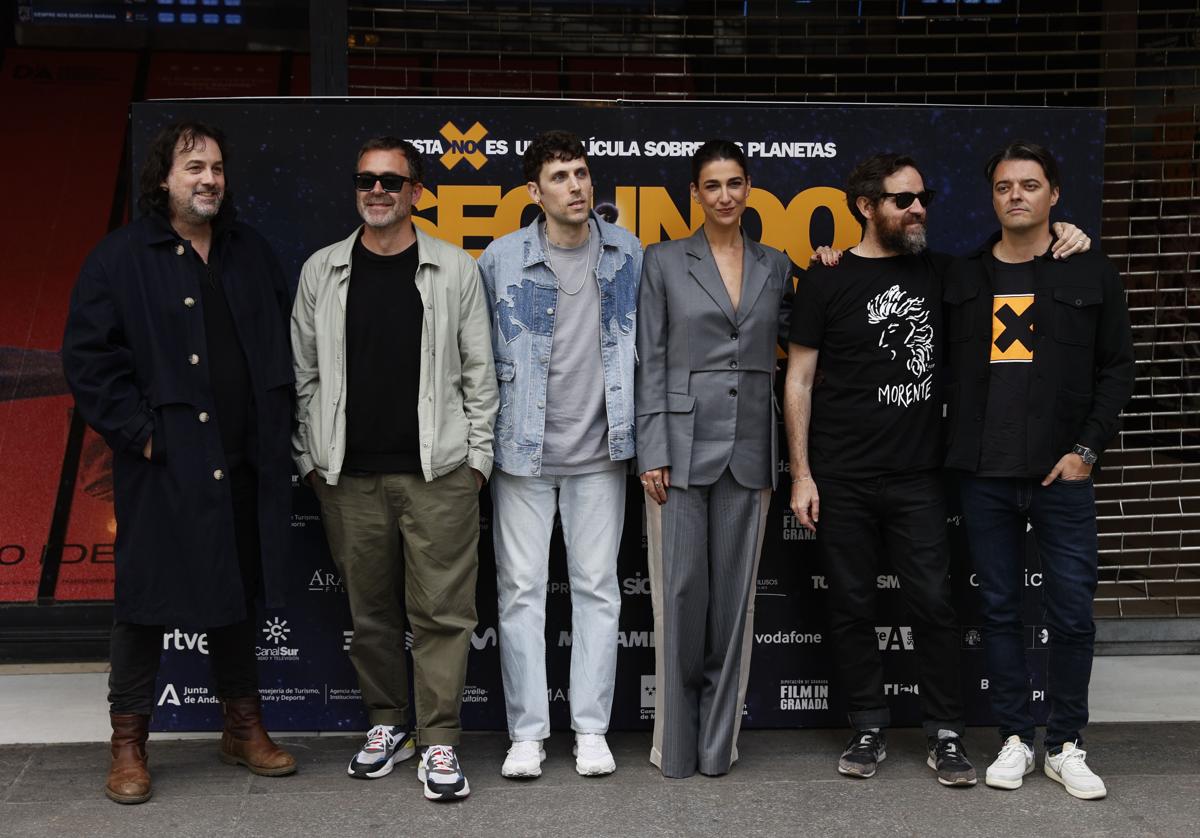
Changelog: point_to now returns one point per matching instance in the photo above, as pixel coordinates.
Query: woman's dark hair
(416, 168)
(717, 150)
(1024, 150)
(868, 176)
(547, 147)
(152, 198)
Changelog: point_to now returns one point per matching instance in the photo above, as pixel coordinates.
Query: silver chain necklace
(550, 261)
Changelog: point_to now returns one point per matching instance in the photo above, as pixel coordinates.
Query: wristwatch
(1086, 454)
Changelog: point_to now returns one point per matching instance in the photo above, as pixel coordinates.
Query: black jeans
(136, 650)
(905, 515)
(1063, 514)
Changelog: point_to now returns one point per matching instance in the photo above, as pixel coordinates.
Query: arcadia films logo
(348, 636)
(797, 694)
(464, 145)
(326, 582)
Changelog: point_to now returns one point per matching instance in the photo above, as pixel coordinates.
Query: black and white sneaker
(385, 746)
(865, 750)
(948, 758)
(441, 774)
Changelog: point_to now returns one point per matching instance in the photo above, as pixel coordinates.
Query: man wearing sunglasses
(396, 395)
(1039, 366)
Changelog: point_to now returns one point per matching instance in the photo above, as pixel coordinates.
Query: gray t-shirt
(576, 438)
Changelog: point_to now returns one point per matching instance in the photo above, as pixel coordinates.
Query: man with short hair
(562, 293)
(869, 437)
(396, 394)
(176, 351)
(1040, 365)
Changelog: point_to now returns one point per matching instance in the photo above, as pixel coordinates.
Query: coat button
(733, 365)
(218, 475)
(549, 311)
(179, 250)
(203, 417)
(1079, 302)
(193, 359)
(189, 301)
(733, 392)
(733, 335)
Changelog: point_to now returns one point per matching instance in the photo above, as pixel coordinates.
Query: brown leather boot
(245, 741)
(128, 779)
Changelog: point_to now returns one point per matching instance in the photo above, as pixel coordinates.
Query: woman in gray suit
(708, 311)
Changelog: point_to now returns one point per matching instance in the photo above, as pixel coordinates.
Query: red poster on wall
(60, 151)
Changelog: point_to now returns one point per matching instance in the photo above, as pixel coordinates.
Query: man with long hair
(176, 350)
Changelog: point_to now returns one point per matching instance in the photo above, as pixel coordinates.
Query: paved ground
(784, 785)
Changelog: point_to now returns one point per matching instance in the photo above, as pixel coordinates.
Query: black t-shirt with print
(876, 404)
(1004, 424)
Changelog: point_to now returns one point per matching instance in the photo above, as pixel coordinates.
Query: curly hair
(548, 147)
(152, 197)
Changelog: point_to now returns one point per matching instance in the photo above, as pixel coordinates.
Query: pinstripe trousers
(704, 545)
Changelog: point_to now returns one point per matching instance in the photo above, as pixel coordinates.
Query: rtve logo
(464, 145)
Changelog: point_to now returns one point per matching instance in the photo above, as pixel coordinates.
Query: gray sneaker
(865, 750)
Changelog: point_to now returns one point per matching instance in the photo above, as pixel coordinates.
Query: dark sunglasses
(365, 181)
(904, 200)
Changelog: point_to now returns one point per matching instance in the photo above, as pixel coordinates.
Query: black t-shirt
(1004, 453)
(228, 373)
(384, 320)
(876, 405)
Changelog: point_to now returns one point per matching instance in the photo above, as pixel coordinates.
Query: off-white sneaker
(1012, 765)
(592, 756)
(524, 759)
(1068, 767)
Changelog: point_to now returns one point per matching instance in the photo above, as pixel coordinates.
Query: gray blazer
(704, 384)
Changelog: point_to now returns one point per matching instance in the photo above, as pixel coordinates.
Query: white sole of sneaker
(1000, 783)
(443, 797)
(1082, 794)
(951, 783)
(595, 769)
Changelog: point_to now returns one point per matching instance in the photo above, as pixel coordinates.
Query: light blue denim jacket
(522, 295)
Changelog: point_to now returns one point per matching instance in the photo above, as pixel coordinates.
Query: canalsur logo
(276, 632)
(464, 145)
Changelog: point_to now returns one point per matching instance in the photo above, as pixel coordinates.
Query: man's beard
(199, 213)
(903, 238)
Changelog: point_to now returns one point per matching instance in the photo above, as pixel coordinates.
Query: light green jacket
(458, 398)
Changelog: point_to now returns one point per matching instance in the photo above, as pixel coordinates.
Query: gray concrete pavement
(784, 785)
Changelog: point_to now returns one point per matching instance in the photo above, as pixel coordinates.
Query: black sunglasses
(365, 181)
(904, 200)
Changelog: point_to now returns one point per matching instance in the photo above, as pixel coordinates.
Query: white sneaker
(1012, 765)
(1068, 767)
(592, 756)
(524, 759)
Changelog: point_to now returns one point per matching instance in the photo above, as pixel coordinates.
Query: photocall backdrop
(289, 164)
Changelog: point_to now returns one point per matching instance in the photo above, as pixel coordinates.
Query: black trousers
(137, 649)
(906, 516)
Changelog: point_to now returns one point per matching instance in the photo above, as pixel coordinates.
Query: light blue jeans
(592, 509)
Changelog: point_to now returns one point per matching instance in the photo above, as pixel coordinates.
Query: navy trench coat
(134, 354)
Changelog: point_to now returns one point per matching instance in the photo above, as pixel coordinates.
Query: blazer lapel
(703, 269)
(754, 275)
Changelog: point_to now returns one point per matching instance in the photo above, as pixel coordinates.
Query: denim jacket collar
(535, 252)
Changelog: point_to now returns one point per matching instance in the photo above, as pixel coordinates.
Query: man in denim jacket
(562, 294)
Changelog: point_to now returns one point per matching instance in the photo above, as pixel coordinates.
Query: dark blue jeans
(1063, 517)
